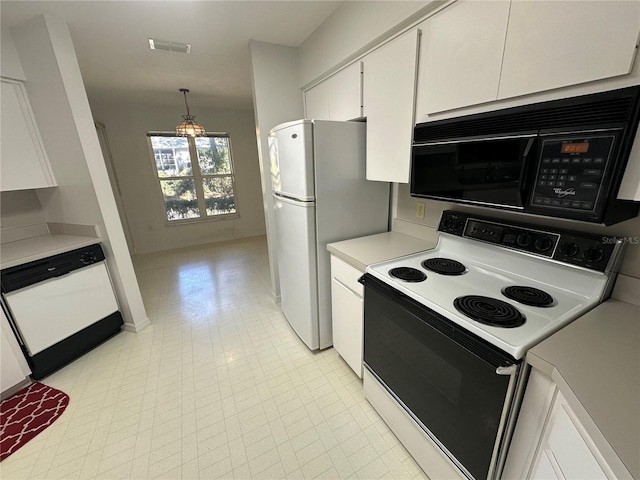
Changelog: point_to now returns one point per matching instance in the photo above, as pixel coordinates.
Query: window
(194, 190)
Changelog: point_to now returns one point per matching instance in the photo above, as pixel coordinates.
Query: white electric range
(446, 329)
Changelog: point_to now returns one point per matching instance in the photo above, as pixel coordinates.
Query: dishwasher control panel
(37, 271)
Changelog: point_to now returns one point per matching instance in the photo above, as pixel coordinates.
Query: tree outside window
(190, 189)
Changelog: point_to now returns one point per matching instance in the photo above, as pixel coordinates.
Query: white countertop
(35, 248)
(363, 251)
(598, 357)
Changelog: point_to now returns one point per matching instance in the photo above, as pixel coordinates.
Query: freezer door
(295, 223)
(291, 152)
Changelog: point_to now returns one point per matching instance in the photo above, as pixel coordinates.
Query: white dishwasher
(60, 307)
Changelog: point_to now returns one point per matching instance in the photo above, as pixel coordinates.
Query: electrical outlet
(420, 206)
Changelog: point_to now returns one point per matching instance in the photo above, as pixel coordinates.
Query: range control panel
(570, 172)
(584, 250)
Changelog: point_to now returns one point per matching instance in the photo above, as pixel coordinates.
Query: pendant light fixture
(188, 127)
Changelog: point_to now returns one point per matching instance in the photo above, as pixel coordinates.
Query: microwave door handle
(527, 149)
(525, 173)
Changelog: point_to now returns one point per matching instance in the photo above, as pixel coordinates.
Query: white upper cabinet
(24, 162)
(555, 44)
(346, 93)
(389, 90)
(460, 56)
(316, 102)
(474, 52)
(339, 97)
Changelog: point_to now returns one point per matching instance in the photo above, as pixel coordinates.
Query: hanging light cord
(184, 92)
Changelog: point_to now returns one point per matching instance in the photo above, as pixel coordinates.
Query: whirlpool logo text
(564, 192)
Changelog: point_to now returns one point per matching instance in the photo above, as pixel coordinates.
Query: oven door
(455, 385)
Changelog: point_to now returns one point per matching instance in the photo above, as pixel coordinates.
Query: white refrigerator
(320, 196)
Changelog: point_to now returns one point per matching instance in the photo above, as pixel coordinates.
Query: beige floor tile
(317, 466)
(219, 386)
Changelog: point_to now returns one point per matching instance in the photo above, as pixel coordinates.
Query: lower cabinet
(14, 369)
(564, 448)
(555, 439)
(347, 313)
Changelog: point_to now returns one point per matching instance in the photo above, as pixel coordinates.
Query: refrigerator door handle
(293, 201)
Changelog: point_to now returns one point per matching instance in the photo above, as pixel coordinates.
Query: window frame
(197, 178)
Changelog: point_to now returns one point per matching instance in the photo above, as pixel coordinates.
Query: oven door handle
(507, 371)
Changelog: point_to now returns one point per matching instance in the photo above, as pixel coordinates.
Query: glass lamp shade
(189, 128)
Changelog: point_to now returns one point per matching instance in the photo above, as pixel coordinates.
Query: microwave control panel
(571, 171)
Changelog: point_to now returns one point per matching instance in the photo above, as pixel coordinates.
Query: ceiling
(111, 42)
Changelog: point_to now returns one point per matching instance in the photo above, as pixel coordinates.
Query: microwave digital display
(581, 147)
(561, 158)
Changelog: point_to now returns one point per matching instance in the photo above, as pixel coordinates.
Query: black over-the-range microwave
(561, 158)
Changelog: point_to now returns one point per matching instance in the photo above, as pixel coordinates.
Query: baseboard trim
(138, 326)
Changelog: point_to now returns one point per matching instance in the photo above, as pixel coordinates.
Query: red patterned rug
(27, 413)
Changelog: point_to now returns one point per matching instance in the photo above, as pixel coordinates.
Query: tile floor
(218, 387)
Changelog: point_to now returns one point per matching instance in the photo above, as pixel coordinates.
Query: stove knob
(569, 249)
(524, 240)
(87, 258)
(452, 224)
(543, 244)
(593, 254)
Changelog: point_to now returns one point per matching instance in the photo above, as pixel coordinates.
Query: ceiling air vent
(155, 44)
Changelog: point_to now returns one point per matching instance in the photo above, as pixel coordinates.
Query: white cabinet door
(389, 91)
(346, 93)
(568, 445)
(339, 97)
(560, 43)
(316, 102)
(347, 313)
(14, 366)
(24, 161)
(552, 440)
(460, 56)
(346, 310)
(544, 470)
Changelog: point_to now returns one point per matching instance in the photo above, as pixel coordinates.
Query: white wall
(277, 98)
(20, 208)
(127, 125)
(83, 196)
